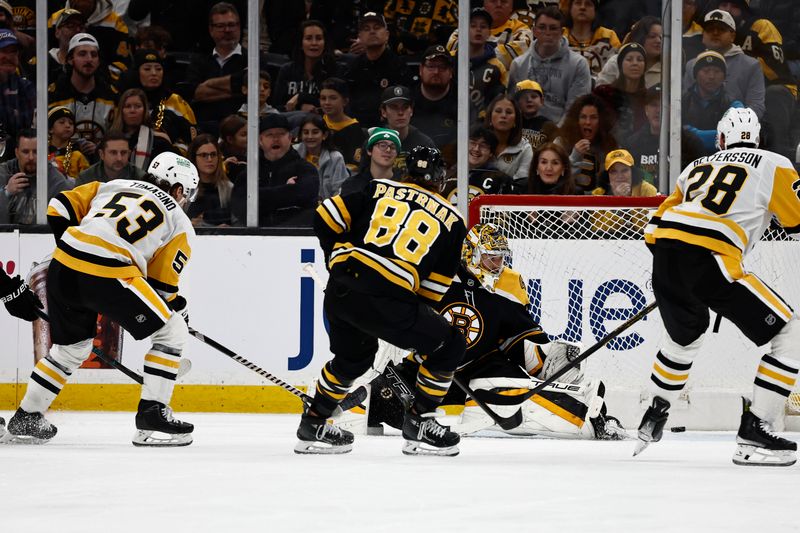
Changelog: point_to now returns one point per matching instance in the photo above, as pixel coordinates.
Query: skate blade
(153, 439)
(320, 448)
(746, 455)
(7, 437)
(417, 448)
(640, 446)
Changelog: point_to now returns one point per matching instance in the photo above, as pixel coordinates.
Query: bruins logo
(467, 319)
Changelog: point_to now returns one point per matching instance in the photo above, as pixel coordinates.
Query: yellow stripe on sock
(774, 375)
(161, 361)
(41, 367)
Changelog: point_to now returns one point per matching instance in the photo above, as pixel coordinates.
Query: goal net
(588, 270)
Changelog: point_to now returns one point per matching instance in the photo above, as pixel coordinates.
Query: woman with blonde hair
(212, 205)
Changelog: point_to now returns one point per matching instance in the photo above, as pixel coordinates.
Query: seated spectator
(382, 148)
(212, 206)
(759, 38)
(347, 133)
(85, 91)
(563, 74)
(18, 182)
(744, 80)
(17, 94)
(264, 90)
(537, 129)
(488, 76)
(170, 114)
(550, 171)
(587, 37)
(132, 119)
(416, 25)
(484, 178)
(217, 78)
(316, 146)
(512, 35)
(312, 62)
(692, 31)
(586, 135)
(648, 32)
(62, 150)
(27, 43)
(436, 100)
(114, 164)
(622, 178)
(625, 97)
(703, 105)
(68, 23)
(513, 154)
(288, 185)
(374, 68)
(644, 143)
(233, 140)
(108, 29)
(397, 109)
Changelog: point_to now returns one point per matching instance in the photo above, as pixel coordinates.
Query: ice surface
(241, 475)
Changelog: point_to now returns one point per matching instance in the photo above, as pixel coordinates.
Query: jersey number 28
(725, 183)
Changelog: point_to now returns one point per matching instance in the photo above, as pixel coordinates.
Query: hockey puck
(678, 429)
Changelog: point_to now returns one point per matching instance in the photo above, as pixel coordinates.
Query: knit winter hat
(709, 58)
(144, 55)
(383, 134)
(59, 112)
(627, 49)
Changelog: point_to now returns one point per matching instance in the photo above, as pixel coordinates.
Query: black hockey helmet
(426, 165)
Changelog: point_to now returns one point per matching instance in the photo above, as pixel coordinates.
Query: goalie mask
(485, 252)
(176, 170)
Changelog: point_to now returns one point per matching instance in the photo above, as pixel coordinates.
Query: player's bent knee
(786, 344)
(449, 355)
(71, 356)
(679, 352)
(173, 334)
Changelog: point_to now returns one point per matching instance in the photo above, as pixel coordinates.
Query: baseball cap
(528, 85)
(709, 58)
(7, 38)
(718, 15)
(67, 14)
(371, 16)
(81, 39)
(272, 121)
(619, 156)
(383, 134)
(396, 93)
(436, 52)
(480, 12)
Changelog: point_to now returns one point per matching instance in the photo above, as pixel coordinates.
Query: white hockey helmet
(738, 126)
(176, 169)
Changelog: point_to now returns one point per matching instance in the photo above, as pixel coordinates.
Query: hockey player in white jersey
(120, 249)
(699, 236)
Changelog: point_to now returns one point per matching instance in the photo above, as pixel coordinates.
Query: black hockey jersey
(391, 238)
(492, 322)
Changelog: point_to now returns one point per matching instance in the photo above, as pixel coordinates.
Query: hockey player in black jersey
(391, 250)
(507, 353)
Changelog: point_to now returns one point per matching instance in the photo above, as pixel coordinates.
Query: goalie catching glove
(544, 360)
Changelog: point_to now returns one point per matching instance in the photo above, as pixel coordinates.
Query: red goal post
(587, 269)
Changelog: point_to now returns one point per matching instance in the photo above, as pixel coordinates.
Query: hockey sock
(331, 390)
(669, 375)
(432, 385)
(45, 383)
(774, 382)
(161, 366)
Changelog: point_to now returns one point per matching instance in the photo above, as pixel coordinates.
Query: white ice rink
(241, 475)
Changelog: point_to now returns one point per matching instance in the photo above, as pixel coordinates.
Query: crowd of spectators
(564, 95)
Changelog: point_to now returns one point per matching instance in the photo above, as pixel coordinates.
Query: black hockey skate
(27, 428)
(317, 436)
(759, 446)
(155, 417)
(425, 436)
(652, 426)
(608, 428)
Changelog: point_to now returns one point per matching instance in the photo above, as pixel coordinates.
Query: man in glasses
(562, 74)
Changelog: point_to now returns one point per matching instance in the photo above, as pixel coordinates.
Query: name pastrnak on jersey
(123, 229)
(491, 321)
(391, 237)
(725, 201)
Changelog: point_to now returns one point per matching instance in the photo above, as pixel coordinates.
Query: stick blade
(512, 421)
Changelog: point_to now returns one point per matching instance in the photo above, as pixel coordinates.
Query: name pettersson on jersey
(748, 158)
(429, 202)
(165, 198)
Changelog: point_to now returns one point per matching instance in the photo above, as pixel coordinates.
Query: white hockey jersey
(724, 202)
(124, 229)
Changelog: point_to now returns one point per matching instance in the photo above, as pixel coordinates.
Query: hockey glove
(179, 305)
(19, 299)
(560, 353)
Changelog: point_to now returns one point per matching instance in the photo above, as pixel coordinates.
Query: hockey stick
(185, 365)
(252, 366)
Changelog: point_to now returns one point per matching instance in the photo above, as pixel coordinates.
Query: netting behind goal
(588, 270)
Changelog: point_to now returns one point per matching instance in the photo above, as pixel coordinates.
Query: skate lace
(167, 412)
(432, 427)
(766, 427)
(325, 430)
